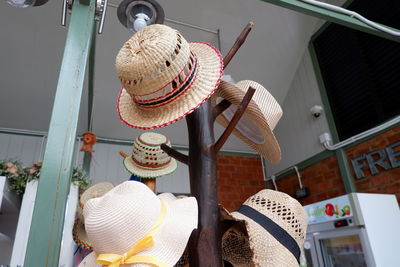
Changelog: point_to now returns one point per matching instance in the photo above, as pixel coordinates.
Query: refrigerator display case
(354, 230)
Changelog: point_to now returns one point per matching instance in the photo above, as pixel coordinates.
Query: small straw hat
(131, 226)
(78, 232)
(164, 78)
(275, 228)
(260, 118)
(148, 160)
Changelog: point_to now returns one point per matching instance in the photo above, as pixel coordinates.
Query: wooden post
(204, 246)
(205, 242)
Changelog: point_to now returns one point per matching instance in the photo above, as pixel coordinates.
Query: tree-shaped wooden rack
(205, 242)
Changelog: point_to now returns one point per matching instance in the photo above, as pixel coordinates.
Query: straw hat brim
(94, 191)
(79, 235)
(207, 80)
(133, 168)
(171, 239)
(270, 148)
(267, 251)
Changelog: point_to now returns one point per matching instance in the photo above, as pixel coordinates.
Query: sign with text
(329, 210)
(387, 158)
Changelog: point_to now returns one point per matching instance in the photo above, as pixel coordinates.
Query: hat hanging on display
(147, 159)
(164, 78)
(131, 226)
(94, 191)
(276, 226)
(259, 120)
(79, 232)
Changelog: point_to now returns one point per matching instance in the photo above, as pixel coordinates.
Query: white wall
(298, 132)
(106, 164)
(27, 149)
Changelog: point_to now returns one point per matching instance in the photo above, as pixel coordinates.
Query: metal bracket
(100, 12)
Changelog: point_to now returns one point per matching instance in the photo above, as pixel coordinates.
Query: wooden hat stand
(205, 242)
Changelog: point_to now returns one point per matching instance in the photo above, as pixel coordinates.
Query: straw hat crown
(131, 226)
(275, 225)
(261, 116)
(163, 77)
(265, 101)
(284, 210)
(147, 149)
(106, 221)
(148, 160)
(152, 58)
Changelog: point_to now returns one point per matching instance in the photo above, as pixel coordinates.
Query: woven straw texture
(260, 118)
(94, 191)
(79, 235)
(119, 219)
(285, 211)
(151, 60)
(148, 160)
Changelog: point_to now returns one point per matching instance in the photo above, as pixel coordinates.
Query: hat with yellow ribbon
(131, 226)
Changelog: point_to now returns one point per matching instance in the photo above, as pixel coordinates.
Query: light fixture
(26, 3)
(137, 14)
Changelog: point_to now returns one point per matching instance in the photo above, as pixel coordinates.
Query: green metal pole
(48, 216)
(332, 16)
(347, 177)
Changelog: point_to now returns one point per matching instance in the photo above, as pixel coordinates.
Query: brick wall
(238, 178)
(324, 179)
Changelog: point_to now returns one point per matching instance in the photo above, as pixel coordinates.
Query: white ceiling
(32, 43)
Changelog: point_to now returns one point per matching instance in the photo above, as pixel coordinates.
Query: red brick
(380, 180)
(324, 186)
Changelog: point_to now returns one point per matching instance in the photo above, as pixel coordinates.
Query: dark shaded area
(361, 71)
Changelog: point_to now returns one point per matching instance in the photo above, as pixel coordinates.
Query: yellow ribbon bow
(115, 260)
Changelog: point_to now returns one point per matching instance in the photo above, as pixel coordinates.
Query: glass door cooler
(354, 230)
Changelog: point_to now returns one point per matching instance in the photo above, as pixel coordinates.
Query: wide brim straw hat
(78, 232)
(148, 160)
(118, 220)
(275, 228)
(79, 235)
(256, 126)
(153, 68)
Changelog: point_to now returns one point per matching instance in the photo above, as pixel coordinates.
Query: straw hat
(148, 160)
(131, 226)
(78, 232)
(260, 118)
(275, 228)
(164, 78)
(94, 191)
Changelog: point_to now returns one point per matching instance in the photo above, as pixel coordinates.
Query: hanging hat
(94, 191)
(257, 123)
(164, 78)
(79, 232)
(275, 228)
(131, 226)
(148, 160)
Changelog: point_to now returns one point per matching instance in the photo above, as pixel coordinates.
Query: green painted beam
(331, 16)
(347, 177)
(48, 216)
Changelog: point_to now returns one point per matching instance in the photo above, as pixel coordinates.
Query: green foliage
(18, 176)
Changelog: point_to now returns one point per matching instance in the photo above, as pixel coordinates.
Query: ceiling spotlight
(26, 3)
(137, 14)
